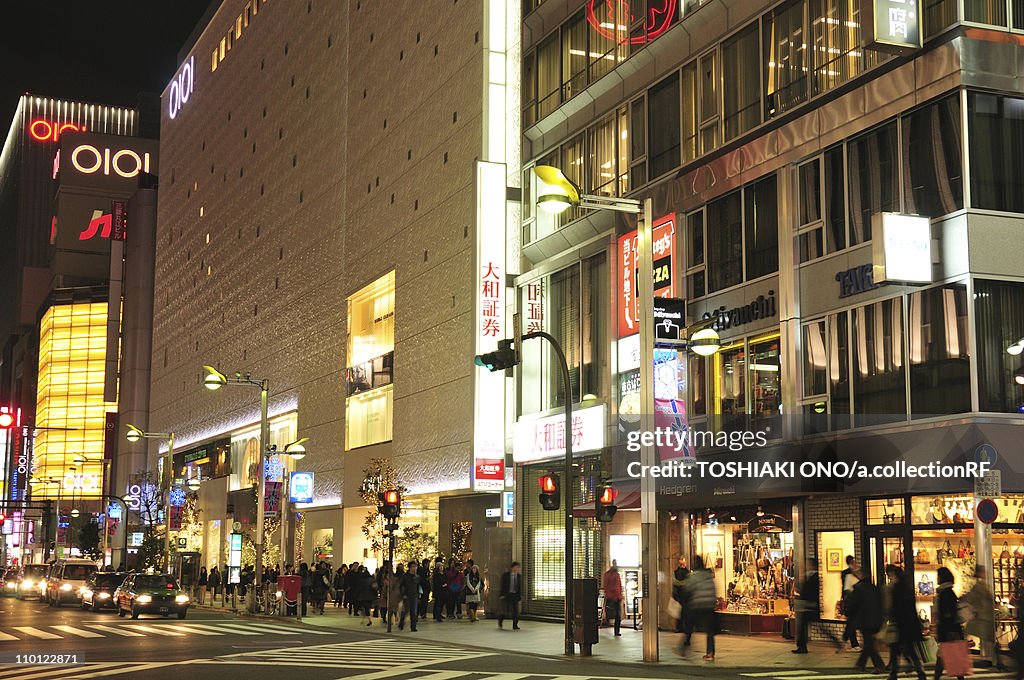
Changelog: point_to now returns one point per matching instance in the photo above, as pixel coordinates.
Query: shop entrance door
(885, 547)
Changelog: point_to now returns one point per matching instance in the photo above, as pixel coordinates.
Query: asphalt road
(220, 646)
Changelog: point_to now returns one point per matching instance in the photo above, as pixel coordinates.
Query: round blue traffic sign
(987, 510)
(986, 453)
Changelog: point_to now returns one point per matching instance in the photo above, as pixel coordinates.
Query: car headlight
(27, 584)
(42, 586)
(145, 599)
(181, 599)
(11, 584)
(85, 592)
(103, 596)
(66, 586)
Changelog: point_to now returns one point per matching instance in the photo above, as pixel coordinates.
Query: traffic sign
(987, 510)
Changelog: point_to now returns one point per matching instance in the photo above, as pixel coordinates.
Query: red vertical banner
(272, 498)
(663, 260)
(119, 220)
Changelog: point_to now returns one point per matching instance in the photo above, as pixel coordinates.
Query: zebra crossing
(839, 674)
(118, 630)
(375, 654)
(75, 672)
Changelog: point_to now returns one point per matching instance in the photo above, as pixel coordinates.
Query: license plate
(164, 610)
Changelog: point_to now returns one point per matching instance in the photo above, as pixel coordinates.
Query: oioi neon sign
(181, 87)
(614, 20)
(43, 130)
(126, 163)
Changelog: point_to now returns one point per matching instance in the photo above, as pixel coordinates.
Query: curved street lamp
(134, 434)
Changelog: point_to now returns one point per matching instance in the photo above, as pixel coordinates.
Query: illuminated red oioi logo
(613, 19)
(43, 130)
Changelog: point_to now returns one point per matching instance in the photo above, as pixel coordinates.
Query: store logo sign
(901, 248)
(612, 19)
(662, 262)
(856, 280)
(88, 159)
(761, 308)
(181, 87)
(541, 438)
(300, 487)
(43, 130)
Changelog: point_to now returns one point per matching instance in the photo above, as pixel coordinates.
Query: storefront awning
(629, 499)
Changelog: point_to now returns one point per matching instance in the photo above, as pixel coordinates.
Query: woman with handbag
(953, 656)
(473, 587)
(908, 627)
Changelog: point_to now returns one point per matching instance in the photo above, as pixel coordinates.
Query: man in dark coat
(808, 610)
(439, 584)
(511, 595)
(864, 614)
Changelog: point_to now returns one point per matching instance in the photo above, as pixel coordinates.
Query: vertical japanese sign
(177, 510)
(663, 264)
(489, 388)
(534, 311)
(118, 220)
(272, 499)
(891, 24)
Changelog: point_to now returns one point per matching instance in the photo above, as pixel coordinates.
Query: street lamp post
(557, 194)
(214, 380)
(134, 434)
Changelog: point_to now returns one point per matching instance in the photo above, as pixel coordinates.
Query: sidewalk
(759, 652)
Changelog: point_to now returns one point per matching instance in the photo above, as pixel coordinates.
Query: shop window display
(750, 554)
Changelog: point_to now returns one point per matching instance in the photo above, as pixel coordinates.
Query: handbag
(961, 552)
(923, 556)
(929, 649)
(955, 658)
(896, 556)
(718, 558)
(675, 610)
(888, 634)
(840, 609)
(925, 586)
(947, 551)
(1005, 554)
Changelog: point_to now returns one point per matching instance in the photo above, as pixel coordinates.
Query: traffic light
(550, 495)
(3, 517)
(500, 359)
(604, 504)
(6, 417)
(391, 503)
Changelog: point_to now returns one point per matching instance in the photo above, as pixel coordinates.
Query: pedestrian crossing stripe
(74, 672)
(365, 654)
(840, 675)
(138, 630)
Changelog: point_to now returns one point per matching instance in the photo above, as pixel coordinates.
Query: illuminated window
(72, 354)
(214, 60)
(370, 364)
(223, 48)
(238, 27)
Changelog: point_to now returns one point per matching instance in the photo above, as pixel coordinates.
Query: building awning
(629, 499)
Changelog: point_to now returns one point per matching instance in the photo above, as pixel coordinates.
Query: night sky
(103, 51)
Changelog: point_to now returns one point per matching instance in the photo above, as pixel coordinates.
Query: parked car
(67, 577)
(32, 581)
(151, 594)
(98, 591)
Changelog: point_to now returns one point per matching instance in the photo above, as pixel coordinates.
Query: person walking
(396, 597)
(979, 604)
(350, 576)
(320, 583)
(511, 595)
(1017, 646)
(439, 586)
(473, 588)
(213, 584)
(679, 592)
(808, 611)
(339, 585)
(864, 614)
(848, 578)
(904, 616)
(456, 581)
(701, 598)
(306, 586)
(363, 594)
(423, 572)
(204, 580)
(612, 585)
(229, 587)
(410, 587)
(948, 628)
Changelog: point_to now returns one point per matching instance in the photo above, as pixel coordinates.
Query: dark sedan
(150, 594)
(98, 591)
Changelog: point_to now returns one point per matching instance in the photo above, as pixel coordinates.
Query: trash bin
(584, 615)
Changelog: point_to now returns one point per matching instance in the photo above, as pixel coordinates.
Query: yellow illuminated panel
(72, 354)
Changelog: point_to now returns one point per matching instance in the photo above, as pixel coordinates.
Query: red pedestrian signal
(391, 503)
(550, 495)
(604, 504)
(6, 417)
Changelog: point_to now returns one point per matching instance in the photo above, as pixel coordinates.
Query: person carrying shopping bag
(953, 657)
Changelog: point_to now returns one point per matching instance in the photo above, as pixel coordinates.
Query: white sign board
(624, 549)
(541, 438)
(901, 248)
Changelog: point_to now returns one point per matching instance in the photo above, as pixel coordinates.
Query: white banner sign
(542, 438)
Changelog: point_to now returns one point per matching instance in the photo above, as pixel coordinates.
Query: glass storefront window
(785, 71)
(663, 127)
(761, 228)
(370, 358)
(731, 386)
(999, 314)
(885, 511)
(839, 371)
(834, 547)
(765, 387)
(815, 359)
(725, 242)
(879, 391)
(939, 364)
(992, 12)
